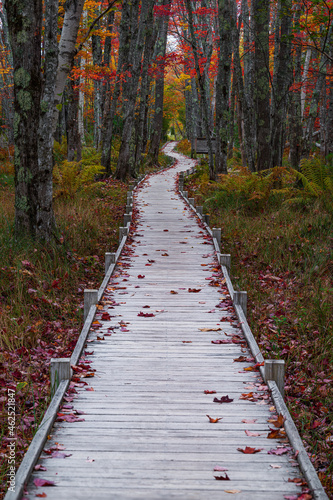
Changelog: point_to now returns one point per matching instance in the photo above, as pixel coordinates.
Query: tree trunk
(244, 105)
(74, 148)
(261, 91)
(126, 152)
(201, 81)
(7, 101)
(281, 83)
(33, 114)
(97, 61)
(73, 12)
(122, 67)
(295, 117)
(141, 120)
(313, 111)
(159, 88)
(223, 85)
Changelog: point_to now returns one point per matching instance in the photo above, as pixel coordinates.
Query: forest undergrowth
(42, 286)
(278, 228)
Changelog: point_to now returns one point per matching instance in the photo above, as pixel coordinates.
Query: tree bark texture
(127, 149)
(73, 12)
(201, 81)
(25, 25)
(159, 87)
(223, 84)
(281, 82)
(261, 87)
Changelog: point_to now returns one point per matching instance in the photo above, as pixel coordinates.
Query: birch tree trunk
(73, 12)
(313, 111)
(97, 61)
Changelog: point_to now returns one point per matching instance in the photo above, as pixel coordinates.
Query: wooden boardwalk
(145, 433)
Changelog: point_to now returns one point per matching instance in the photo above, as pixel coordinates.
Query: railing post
(110, 258)
(274, 370)
(60, 369)
(199, 209)
(128, 209)
(90, 299)
(127, 218)
(206, 218)
(123, 231)
(185, 194)
(240, 298)
(191, 201)
(225, 260)
(217, 235)
(129, 198)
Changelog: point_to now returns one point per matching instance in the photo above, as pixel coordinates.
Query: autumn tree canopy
(121, 76)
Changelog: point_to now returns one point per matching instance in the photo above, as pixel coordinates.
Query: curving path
(145, 433)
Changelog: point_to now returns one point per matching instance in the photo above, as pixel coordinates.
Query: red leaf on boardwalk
(221, 341)
(106, 316)
(249, 451)
(41, 495)
(213, 420)
(194, 290)
(141, 276)
(222, 478)
(43, 482)
(224, 399)
(278, 451)
(210, 392)
(278, 422)
(146, 315)
(220, 469)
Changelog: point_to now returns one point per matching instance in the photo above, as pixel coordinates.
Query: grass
(281, 253)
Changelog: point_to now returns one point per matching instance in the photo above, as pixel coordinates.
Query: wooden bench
(201, 146)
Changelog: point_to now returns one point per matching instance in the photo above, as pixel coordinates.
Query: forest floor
(281, 254)
(41, 292)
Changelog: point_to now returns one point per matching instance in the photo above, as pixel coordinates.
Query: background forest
(89, 91)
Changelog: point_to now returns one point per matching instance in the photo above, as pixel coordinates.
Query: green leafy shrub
(71, 176)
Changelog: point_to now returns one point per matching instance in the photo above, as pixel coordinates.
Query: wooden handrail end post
(90, 299)
(240, 298)
(110, 258)
(225, 260)
(60, 369)
(274, 370)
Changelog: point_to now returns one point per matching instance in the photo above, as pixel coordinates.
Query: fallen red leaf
(222, 478)
(141, 276)
(43, 482)
(278, 422)
(249, 451)
(210, 392)
(213, 420)
(224, 399)
(194, 290)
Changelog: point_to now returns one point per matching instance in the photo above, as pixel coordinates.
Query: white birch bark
(67, 42)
